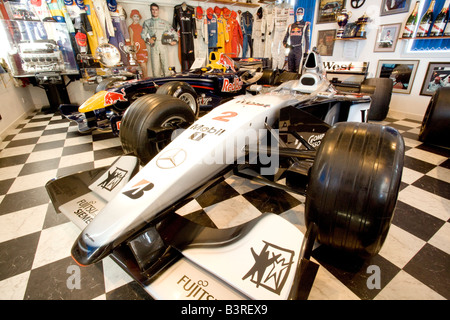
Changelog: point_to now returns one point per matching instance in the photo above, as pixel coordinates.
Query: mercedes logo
(171, 158)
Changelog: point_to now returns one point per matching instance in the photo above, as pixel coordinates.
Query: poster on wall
(402, 73)
(387, 37)
(394, 6)
(327, 10)
(325, 42)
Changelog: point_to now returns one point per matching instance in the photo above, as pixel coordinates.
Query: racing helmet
(168, 37)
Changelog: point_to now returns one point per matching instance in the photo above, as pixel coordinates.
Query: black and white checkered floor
(35, 242)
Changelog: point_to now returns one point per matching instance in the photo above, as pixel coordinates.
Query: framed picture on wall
(387, 37)
(327, 10)
(394, 6)
(438, 75)
(402, 72)
(325, 42)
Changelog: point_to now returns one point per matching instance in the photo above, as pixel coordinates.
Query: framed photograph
(328, 9)
(325, 42)
(402, 73)
(394, 6)
(387, 37)
(438, 75)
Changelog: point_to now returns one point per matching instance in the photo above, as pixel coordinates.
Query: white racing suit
(155, 28)
(280, 20)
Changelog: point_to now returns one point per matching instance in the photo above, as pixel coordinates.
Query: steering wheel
(357, 3)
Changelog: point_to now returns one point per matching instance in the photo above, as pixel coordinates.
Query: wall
(15, 104)
(411, 105)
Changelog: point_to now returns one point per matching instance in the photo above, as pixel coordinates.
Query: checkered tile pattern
(35, 242)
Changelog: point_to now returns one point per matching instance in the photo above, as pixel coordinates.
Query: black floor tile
(431, 266)
(17, 255)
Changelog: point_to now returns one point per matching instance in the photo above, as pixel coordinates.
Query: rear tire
(354, 186)
(150, 111)
(381, 97)
(436, 121)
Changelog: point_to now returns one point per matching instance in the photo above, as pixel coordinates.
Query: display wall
(412, 104)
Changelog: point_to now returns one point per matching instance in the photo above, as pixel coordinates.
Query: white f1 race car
(302, 131)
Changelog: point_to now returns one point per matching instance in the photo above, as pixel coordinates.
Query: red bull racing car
(202, 88)
(302, 137)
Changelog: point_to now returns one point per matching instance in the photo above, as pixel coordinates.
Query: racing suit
(268, 14)
(236, 37)
(80, 21)
(247, 28)
(295, 34)
(258, 34)
(97, 37)
(201, 43)
(222, 34)
(280, 18)
(212, 29)
(155, 27)
(121, 37)
(183, 16)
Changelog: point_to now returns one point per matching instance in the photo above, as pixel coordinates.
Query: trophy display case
(36, 47)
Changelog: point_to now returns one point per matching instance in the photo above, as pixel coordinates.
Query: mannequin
(135, 29)
(152, 32)
(296, 32)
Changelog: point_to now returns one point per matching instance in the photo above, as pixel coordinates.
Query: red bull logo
(228, 86)
(113, 97)
(226, 61)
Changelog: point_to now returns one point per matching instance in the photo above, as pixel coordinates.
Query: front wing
(175, 258)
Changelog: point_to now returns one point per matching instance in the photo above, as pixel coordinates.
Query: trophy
(342, 20)
(361, 22)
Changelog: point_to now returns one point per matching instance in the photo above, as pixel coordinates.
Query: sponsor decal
(315, 140)
(86, 210)
(252, 103)
(171, 158)
(226, 61)
(228, 86)
(113, 179)
(211, 130)
(112, 97)
(197, 136)
(195, 289)
(138, 189)
(271, 268)
(203, 100)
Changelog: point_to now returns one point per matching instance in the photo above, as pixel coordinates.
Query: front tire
(354, 186)
(182, 91)
(150, 111)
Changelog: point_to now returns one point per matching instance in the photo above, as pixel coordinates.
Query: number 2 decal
(226, 115)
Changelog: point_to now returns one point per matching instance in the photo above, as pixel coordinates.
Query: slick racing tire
(436, 121)
(354, 185)
(182, 91)
(150, 111)
(381, 97)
